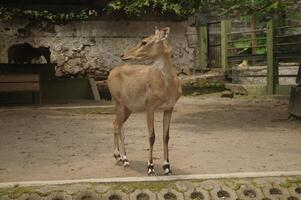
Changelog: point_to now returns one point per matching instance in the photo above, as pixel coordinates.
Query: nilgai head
(151, 47)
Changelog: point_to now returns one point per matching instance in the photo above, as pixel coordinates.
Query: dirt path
(208, 135)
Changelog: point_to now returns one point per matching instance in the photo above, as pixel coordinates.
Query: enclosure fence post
(203, 47)
(225, 30)
(272, 66)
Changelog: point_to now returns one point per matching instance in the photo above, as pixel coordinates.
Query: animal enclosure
(268, 49)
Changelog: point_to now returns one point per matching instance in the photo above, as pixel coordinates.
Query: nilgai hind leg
(122, 114)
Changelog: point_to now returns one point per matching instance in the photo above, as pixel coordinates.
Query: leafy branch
(15, 13)
(263, 9)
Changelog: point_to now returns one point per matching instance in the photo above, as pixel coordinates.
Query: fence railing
(276, 48)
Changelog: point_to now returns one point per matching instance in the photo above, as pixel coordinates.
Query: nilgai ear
(164, 32)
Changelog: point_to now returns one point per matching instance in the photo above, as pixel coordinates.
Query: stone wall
(91, 48)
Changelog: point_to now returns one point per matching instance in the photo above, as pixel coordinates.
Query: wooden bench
(21, 83)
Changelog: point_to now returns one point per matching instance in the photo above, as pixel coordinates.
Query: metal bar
(283, 36)
(247, 55)
(296, 66)
(250, 75)
(292, 26)
(287, 75)
(248, 39)
(291, 53)
(262, 75)
(251, 31)
(208, 45)
(257, 46)
(293, 56)
(289, 43)
(243, 57)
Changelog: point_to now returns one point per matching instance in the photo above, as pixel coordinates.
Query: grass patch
(16, 192)
(152, 186)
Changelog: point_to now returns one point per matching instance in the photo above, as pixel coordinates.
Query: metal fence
(273, 45)
(214, 44)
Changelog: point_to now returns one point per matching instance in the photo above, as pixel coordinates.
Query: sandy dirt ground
(209, 134)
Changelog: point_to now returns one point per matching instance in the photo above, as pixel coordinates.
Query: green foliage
(244, 45)
(262, 9)
(15, 13)
(180, 8)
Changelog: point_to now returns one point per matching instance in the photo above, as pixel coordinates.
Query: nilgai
(147, 88)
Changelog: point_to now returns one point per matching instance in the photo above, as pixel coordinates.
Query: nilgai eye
(144, 43)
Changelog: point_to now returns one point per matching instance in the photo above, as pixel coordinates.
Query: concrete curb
(156, 178)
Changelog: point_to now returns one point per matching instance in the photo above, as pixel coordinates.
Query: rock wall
(92, 48)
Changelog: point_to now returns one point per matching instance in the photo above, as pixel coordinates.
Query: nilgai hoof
(167, 172)
(150, 169)
(126, 163)
(118, 159)
(167, 169)
(151, 172)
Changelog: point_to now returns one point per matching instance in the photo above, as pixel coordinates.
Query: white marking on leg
(151, 169)
(166, 168)
(125, 161)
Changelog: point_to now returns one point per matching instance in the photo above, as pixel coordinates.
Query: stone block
(87, 194)
(75, 188)
(170, 194)
(115, 195)
(101, 188)
(222, 192)
(197, 193)
(5, 197)
(143, 194)
(275, 191)
(31, 196)
(208, 184)
(249, 192)
(59, 196)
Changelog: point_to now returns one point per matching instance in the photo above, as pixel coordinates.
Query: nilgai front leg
(166, 123)
(151, 138)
